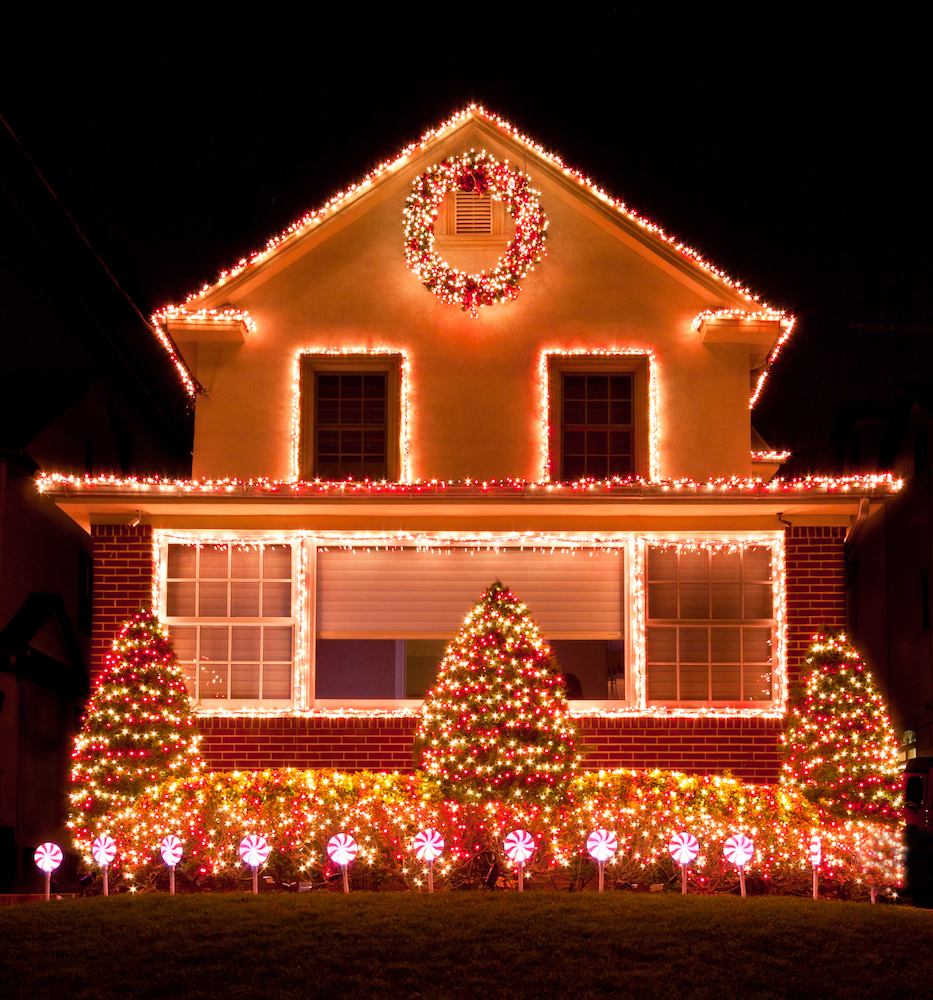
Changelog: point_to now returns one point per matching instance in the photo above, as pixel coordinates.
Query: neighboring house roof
(212, 303)
(67, 673)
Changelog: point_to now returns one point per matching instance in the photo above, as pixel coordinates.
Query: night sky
(795, 157)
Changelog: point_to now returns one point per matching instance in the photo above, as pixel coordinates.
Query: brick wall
(816, 597)
(746, 747)
(122, 581)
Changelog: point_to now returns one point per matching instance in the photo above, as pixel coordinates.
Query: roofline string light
(630, 487)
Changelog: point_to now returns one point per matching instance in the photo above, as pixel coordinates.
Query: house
(539, 386)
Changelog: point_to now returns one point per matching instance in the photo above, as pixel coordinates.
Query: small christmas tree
(839, 747)
(496, 724)
(137, 732)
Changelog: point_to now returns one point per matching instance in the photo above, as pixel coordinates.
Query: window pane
(185, 642)
(181, 561)
(694, 600)
(694, 565)
(725, 645)
(727, 600)
(662, 645)
(212, 599)
(277, 562)
(662, 600)
(757, 563)
(213, 678)
(756, 680)
(662, 683)
(215, 641)
(694, 645)
(694, 682)
(244, 680)
(757, 600)
(276, 600)
(355, 668)
(244, 599)
(244, 563)
(179, 598)
(277, 642)
(277, 681)
(725, 566)
(244, 643)
(725, 683)
(756, 645)
(662, 564)
(214, 562)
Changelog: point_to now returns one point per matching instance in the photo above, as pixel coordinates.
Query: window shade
(410, 593)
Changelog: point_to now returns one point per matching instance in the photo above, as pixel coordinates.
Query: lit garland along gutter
(654, 432)
(634, 544)
(404, 399)
(313, 219)
(629, 487)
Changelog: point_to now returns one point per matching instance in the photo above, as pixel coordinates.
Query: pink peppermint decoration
(602, 844)
(254, 850)
(104, 850)
(519, 846)
(738, 850)
(428, 845)
(683, 848)
(48, 857)
(171, 850)
(342, 849)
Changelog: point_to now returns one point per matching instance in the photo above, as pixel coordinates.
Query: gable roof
(211, 303)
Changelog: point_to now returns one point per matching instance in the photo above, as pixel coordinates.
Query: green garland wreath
(487, 175)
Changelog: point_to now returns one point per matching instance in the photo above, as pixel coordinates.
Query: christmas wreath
(484, 174)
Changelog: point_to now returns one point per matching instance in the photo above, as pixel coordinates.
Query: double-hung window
(598, 419)
(230, 611)
(711, 626)
(350, 416)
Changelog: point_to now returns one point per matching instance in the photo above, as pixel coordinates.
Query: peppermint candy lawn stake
(342, 849)
(48, 858)
(602, 844)
(519, 846)
(816, 856)
(254, 850)
(104, 851)
(738, 851)
(428, 845)
(171, 855)
(485, 175)
(683, 849)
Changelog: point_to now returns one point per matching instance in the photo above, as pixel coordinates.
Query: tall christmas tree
(496, 724)
(137, 732)
(839, 747)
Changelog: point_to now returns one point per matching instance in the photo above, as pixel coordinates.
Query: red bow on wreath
(474, 181)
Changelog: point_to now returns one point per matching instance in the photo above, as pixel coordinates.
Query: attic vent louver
(473, 213)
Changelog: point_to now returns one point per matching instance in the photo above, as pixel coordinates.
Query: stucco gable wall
(475, 388)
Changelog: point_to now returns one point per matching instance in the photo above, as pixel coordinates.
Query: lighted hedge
(299, 810)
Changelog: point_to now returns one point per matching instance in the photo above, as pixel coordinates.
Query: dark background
(793, 154)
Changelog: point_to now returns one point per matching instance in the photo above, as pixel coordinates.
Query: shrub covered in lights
(839, 748)
(496, 724)
(137, 735)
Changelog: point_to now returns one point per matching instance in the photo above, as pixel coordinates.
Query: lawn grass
(463, 945)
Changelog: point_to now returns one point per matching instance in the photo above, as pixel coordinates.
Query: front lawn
(463, 945)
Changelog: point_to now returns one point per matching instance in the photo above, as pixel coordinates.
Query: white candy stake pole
(519, 846)
(738, 850)
(48, 857)
(342, 849)
(254, 851)
(428, 845)
(171, 855)
(683, 849)
(601, 845)
(816, 855)
(104, 850)
(874, 894)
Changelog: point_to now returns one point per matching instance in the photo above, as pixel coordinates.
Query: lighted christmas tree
(839, 747)
(496, 724)
(137, 732)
